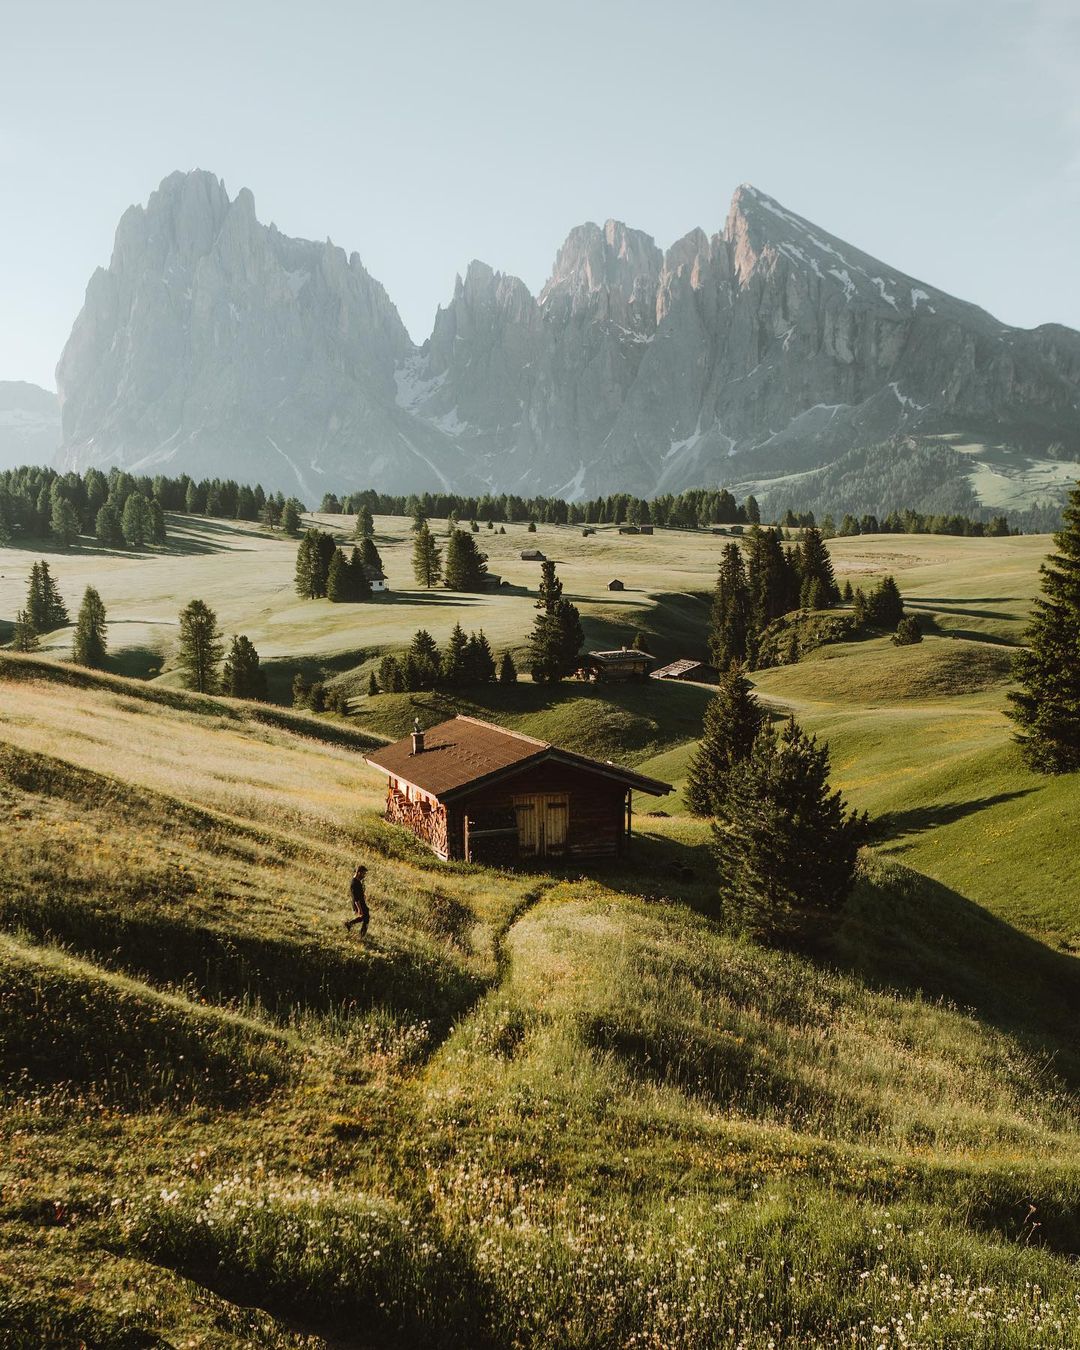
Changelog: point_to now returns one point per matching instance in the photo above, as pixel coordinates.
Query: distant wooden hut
(615, 585)
(617, 666)
(686, 670)
(532, 555)
(645, 529)
(473, 790)
(376, 577)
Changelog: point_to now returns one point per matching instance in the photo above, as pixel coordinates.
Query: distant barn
(376, 577)
(615, 585)
(627, 663)
(532, 555)
(473, 790)
(686, 670)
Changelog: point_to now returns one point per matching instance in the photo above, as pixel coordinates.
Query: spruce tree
(370, 554)
(1046, 707)
(243, 675)
(733, 719)
(729, 634)
(426, 558)
(290, 517)
(361, 586)
(884, 605)
(200, 647)
(507, 669)
(90, 646)
(907, 632)
(785, 846)
(107, 527)
(551, 587)
(365, 523)
(45, 608)
(424, 661)
(64, 522)
(815, 565)
(24, 638)
(305, 567)
(339, 579)
(465, 568)
(479, 662)
(135, 521)
(391, 679)
(455, 668)
(372, 685)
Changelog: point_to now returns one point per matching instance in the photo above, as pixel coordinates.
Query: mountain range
(214, 344)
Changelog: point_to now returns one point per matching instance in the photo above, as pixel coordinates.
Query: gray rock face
(213, 343)
(29, 424)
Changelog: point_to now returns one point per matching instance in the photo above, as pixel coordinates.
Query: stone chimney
(417, 737)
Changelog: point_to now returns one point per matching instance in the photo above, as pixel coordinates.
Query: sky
(942, 136)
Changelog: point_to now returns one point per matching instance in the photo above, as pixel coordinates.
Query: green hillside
(531, 1109)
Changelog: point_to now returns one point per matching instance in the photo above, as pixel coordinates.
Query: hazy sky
(942, 136)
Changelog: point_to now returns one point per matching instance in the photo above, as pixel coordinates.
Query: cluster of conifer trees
(120, 511)
(200, 652)
(466, 661)
(324, 572)
(785, 845)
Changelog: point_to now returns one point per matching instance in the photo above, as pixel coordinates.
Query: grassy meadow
(530, 1109)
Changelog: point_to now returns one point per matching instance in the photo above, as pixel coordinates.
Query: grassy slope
(535, 1103)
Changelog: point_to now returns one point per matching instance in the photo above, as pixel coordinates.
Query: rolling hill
(532, 1109)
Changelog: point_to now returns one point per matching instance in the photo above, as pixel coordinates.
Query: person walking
(361, 913)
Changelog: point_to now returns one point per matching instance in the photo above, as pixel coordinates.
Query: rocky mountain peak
(613, 262)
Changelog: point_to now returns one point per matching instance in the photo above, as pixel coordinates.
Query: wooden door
(556, 809)
(542, 822)
(528, 825)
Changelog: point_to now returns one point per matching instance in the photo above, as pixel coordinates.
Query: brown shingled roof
(464, 751)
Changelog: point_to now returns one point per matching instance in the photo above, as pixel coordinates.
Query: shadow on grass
(904, 932)
(896, 824)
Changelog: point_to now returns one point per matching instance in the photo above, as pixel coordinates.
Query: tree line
(694, 509)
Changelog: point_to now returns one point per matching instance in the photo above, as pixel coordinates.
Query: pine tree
(728, 638)
(135, 521)
(884, 605)
(858, 608)
(158, 533)
(243, 675)
(455, 669)
(90, 646)
(551, 588)
(815, 565)
(370, 555)
(479, 662)
(426, 558)
(64, 522)
(419, 517)
(365, 523)
(391, 679)
(200, 647)
(507, 669)
(360, 584)
(290, 517)
(24, 638)
(849, 594)
(45, 610)
(1046, 707)
(556, 643)
(107, 527)
(339, 579)
(733, 719)
(465, 568)
(424, 661)
(305, 567)
(785, 846)
(372, 685)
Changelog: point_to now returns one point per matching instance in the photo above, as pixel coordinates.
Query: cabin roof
(629, 655)
(464, 752)
(677, 668)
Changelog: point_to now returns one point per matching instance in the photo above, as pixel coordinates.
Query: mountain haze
(29, 424)
(213, 343)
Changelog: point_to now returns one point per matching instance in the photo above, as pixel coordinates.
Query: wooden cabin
(686, 670)
(625, 664)
(532, 555)
(473, 790)
(615, 585)
(376, 577)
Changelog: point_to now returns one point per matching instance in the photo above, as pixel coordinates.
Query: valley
(532, 1107)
